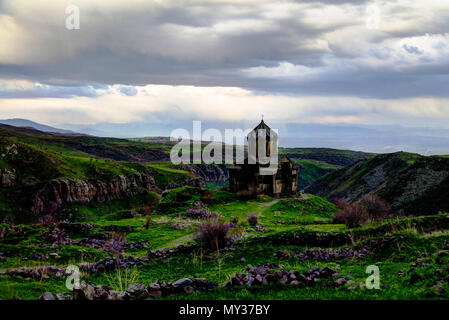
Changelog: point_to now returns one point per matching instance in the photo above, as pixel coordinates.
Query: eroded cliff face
(193, 182)
(60, 192)
(7, 178)
(209, 172)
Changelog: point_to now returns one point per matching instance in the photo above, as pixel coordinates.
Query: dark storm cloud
(206, 43)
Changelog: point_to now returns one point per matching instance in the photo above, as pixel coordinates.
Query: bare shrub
(375, 207)
(116, 243)
(122, 278)
(208, 197)
(214, 233)
(351, 214)
(340, 204)
(197, 213)
(148, 221)
(253, 218)
(236, 233)
(47, 220)
(249, 194)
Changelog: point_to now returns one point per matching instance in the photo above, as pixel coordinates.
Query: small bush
(148, 221)
(350, 214)
(253, 218)
(122, 278)
(214, 233)
(375, 207)
(249, 194)
(47, 220)
(116, 243)
(235, 220)
(208, 197)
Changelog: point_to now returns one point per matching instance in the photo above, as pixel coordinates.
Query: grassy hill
(295, 234)
(314, 163)
(412, 183)
(110, 148)
(17, 122)
(335, 157)
(31, 159)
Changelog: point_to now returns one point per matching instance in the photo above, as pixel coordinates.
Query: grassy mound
(179, 199)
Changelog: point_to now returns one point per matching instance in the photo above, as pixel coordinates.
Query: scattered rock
(47, 296)
(263, 275)
(200, 213)
(181, 283)
(189, 289)
(63, 296)
(178, 226)
(325, 254)
(137, 291)
(438, 289)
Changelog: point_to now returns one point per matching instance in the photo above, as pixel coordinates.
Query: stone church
(247, 177)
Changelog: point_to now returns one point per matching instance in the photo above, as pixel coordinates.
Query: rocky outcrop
(57, 193)
(209, 172)
(7, 178)
(193, 182)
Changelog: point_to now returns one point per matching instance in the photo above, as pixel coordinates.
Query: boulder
(189, 289)
(85, 292)
(47, 296)
(182, 283)
(137, 291)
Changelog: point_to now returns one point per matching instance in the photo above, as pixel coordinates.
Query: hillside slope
(314, 163)
(110, 148)
(42, 174)
(330, 156)
(411, 183)
(17, 122)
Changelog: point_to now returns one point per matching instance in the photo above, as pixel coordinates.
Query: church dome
(263, 126)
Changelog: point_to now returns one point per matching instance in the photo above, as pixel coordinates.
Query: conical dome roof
(262, 125)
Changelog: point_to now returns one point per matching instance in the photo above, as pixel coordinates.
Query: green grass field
(298, 219)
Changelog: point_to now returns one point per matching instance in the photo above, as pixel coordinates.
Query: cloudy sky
(323, 65)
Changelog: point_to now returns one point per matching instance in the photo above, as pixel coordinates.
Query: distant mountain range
(17, 122)
(375, 139)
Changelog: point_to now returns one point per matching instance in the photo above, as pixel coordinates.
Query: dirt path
(268, 204)
(189, 237)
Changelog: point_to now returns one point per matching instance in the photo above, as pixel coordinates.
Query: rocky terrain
(411, 183)
(57, 193)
